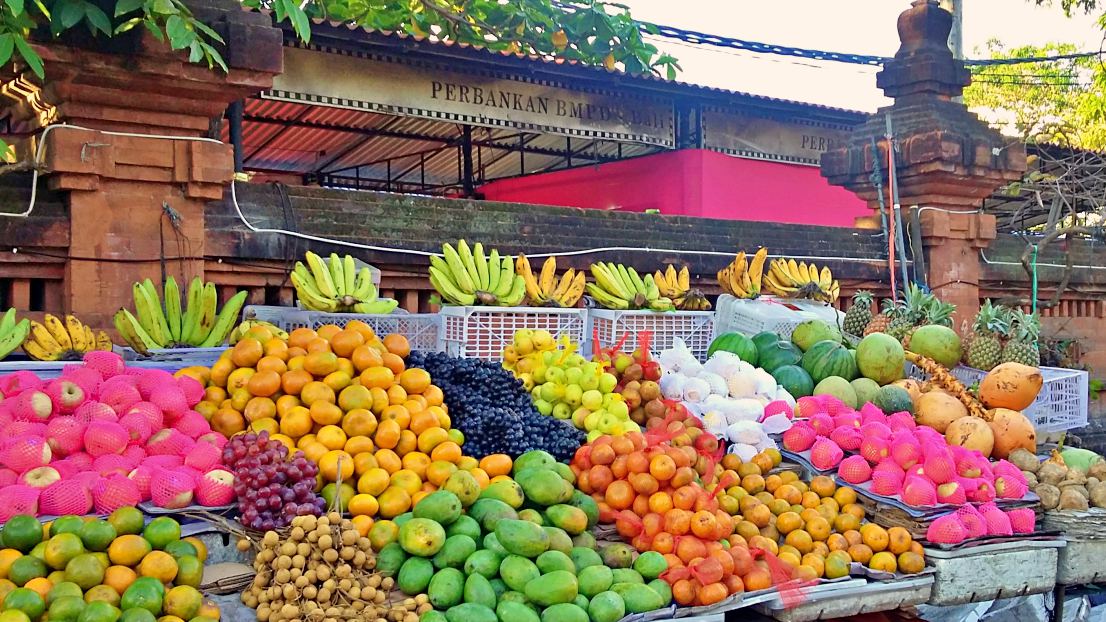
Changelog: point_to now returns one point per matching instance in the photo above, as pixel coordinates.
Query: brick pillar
(135, 196)
(946, 158)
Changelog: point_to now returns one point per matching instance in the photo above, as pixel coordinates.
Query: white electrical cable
(385, 249)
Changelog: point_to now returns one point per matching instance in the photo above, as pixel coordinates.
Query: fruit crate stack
(483, 332)
(695, 328)
(421, 329)
(849, 598)
(752, 316)
(1061, 405)
(993, 571)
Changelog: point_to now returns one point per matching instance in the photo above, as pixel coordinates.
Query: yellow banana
(77, 335)
(40, 334)
(756, 267)
(562, 287)
(467, 261)
(89, 338)
(825, 279)
(349, 273)
(523, 269)
(548, 274)
(683, 279)
(35, 350)
(575, 290)
(321, 274)
(457, 270)
(58, 331)
(103, 341)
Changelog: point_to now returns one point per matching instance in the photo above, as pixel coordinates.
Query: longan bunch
(322, 571)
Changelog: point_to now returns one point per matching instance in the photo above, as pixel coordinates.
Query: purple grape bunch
(272, 489)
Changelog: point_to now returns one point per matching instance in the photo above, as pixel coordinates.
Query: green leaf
(195, 52)
(15, 5)
(300, 22)
(97, 18)
(69, 14)
(205, 29)
(33, 60)
(177, 30)
(127, 25)
(7, 46)
(165, 7)
(154, 29)
(122, 7)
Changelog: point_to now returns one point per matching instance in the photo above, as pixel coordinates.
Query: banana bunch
(12, 333)
(468, 276)
(545, 290)
(620, 288)
(743, 277)
(243, 330)
(792, 279)
(677, 286)
(189, 323)
(57, 339)
(336, 285)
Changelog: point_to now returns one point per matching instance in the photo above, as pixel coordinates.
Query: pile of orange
(378, 430)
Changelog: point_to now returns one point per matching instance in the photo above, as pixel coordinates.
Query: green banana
(159, 311)
(506, 278)
(635, 279)
(349, 272)
(131, 330)
(192, 313)
(15, 334)
(210, 302)
(481, 263)
(321, 273)
(172, 309)
(382, 306)
(309, 295)
(466, 259)
(8, 321)
(442, 282)
(605, 298)
(609, 282)
(460, 275)
(652, 292)
(364, 289)
(495, 267)
(516, 294)
(147, 315)
(336, 276)
(224, 323)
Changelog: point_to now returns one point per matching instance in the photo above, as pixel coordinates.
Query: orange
(417, 462)
(295, 357)
(845, 521)
(40, 585)
(449, 452)
(247, 352)
(228, 422)
(788, 522)
(393, 502)
(496, 464)
(414, 380)
(397, 344)
(277, 349)
(293, 381)
(397, 413)
(380, 400)
(823, 485)
(296, 422)
(265, 424)
(421, 421)
(363, 505)
(159, 564)
(355, 396)
(337, 380)
(363, 524)
(883, 561)
(408, 480)
(316, 392)
(844, 496)
(220, 370)
(819, 528)
(377, 377)
(415, 403)
(433, 395)
(259, 408)
(365, 357)
(408, 442)
(327, 331)
(440, 413)
(388, 460)
(314, 451)
(875, 537)
(344, 342)
(396, 395)
(318, 344)
(373, 482)
(366, 331)
(393, 362)
(305, 440)
(438, 471)
(320, 363)
(855, 509)
(357, 445)
(240, 398)
(431, 438)
(336, 463)
(119, 578)
(300, 337)
(898, 540)
(363, 461)
(482, 478)
(325, 413)
(860, 553)
(273, 364)
(359, 422)
(238, 378)
(285, 404)
(387, 434)
(911, 562)
(215, 394)
(332, 436)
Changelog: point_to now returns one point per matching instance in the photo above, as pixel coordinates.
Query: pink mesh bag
(203, 457)
(871, 412)
(18, 499)
(66, 468)
(947, 529)
(109, 364)
(17, 382)
(25, 452)
(94, 411)
(141, 476)
(192, 424)
(137, 427)
(112, 493)
(822, 424)
(1023, 520)
(777, 407)
(170, 443)
(87, 378)
(26, 428)
(65, 497)
(30, 406)
(170, 399)
(150, 379)
(81, 460)
(152, 414)
(807, 406)
(998, 523)
(87, 478)
(119, 394)
(65, 435)
(109, 464)
(163, 462)
(105, 437)
(171, 489)
(215, 489)
(974, 524)
(213, 438)
(8, 477)
(135, 452)
(194, 391)
(831, 405)
(847, 437)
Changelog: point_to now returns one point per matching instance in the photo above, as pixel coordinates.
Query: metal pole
(234, 115)
(466, 154)
(956, 36)
(894, 182)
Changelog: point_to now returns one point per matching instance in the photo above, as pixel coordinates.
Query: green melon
(939, 343)
(880, 356)
(811, 332)
(866, 390)
(736, 343)
(795, 379)
(777, 354)
(829, 358)
(893, 399)
(839, 388)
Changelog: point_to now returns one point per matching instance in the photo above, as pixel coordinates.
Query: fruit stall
(577, 446)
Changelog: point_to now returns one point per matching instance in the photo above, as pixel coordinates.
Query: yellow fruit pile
(378, 430)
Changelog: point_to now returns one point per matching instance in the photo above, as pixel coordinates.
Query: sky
(852, 26)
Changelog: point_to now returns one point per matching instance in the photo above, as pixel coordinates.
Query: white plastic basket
(483, 332)
(1061, 405)
(739, 315)
(421, 329)
(695, 328)
(825, 312)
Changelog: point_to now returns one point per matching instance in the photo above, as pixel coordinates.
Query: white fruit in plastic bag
(672, 386)
(742, 385)
(717, 383)
(743, 451)
(714, 422)
(766, 384)
(696, 390)
(776, 424)
(746, 410)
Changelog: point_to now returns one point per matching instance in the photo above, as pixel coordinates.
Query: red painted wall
(693, 182)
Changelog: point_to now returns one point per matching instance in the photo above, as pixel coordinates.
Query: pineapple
(881, 322)
(859, 314)
(1022, 346)
(915, 305)
(987, 333)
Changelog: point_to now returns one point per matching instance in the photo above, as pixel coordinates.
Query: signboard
(770, 139)
(330, 78)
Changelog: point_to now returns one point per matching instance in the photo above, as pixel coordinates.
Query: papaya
(517, 572)
(558, 539)
(606, 607)
(415, 574)
(638, 597)
(464, 485)
(446, 588)
(544, 487)
(534, 459)
(584, 540)
(422, 537)
(479, 591)
(594, 580)
(454, 552)
(491, 543)
(470, 612)
(554, 560)
(531, 515)
(564, 612)
(498, 586)
(511, 596)
(440, 506)
(581, 601)
(483, 562)
(650, 565)
(568, 517)
(508, 491)
(587, 504)
(523, 538)
(660, 586)
(464, 526)
(627, 575)
(488, 512)
(557, 587)
(515, 612)
(390, 559)
(565, 472)
(618, 555)
(583, 557)
(433, 616)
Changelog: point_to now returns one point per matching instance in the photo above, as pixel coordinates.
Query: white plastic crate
(1061, 405)
(825, 312)
(739, 315)
(695, 328)
(483, 332)
(421, 329)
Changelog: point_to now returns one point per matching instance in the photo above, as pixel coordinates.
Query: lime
(97, 535)
(127, 520)
(161, 531)
(14, 615)
(62, 548)
(6, 588)
(66, 609)
(22, 532)
(63, 589)
(136, 615)
(183, 601)
(198, 544)
(180, 548)
(145, 593)
(39, 551)
(26, 568)
(99, 611)
(27, 601)
(190, 571)
(102, 592)
(66, 524)
(85, 570)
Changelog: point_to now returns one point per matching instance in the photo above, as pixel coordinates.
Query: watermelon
(829, 358)
(795, 379)
(893, 399)
(777, 354)
(765, 339)
(735, 343)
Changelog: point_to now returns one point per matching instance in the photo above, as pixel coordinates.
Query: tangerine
(331, 436)
(363, 524)
(300, 337)
(898, 540)
(359, 421)
(860, 553)
(325, 413)
(388, 460)
(619, 495)
(293, 381)
(393, 362)
(448, 452)
(365, 357)
(316, 391)
(336, 464)
(377, 378)
(247, 352)
(320, 364)
(344, 342)
(296, 422)
(911, 563)
(358, 445)
(273, 364)
(397, 345)
(363, 505)
(875, 537)
(260, 408)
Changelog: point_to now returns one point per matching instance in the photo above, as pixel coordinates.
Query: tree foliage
(1071, 6)
(1059, 102)
(589, 31)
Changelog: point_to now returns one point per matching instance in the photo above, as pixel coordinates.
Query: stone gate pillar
(947, 160)
(134, 195)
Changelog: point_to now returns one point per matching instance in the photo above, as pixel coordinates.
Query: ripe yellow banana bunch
(57, 339)
(336, 285)
(246, 328)
(192, 320)
(620, 287)
(743, 277)
(677, 286)
(467, 276)
(791, 279)
(545, 290)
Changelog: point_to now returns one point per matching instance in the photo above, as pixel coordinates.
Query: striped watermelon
(829, 358)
